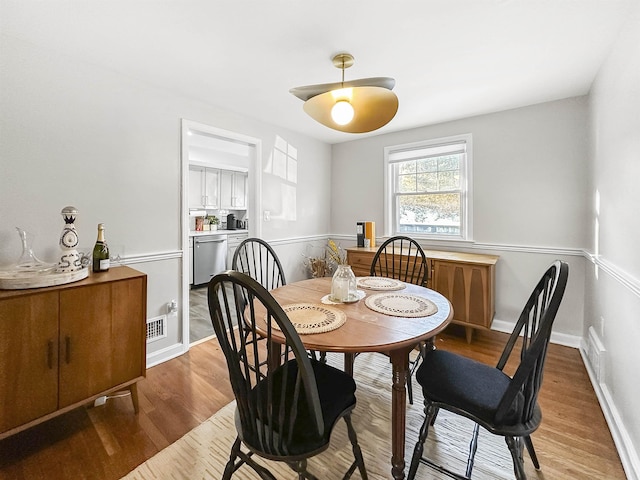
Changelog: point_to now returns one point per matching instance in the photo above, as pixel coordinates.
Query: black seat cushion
(467, 385)
(336, 391)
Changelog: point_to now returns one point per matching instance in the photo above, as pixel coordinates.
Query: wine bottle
(100, 252)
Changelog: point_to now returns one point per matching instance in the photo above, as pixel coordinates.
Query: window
(428, 188)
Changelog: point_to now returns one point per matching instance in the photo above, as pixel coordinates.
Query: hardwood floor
(107, 442)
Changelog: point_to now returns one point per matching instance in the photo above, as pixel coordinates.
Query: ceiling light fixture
(357, 106)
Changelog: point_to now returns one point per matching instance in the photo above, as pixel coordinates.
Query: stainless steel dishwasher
(209, 257)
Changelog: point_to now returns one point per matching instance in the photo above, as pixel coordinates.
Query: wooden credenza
(64, 346)
(466, 279)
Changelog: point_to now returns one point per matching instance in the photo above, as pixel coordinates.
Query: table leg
(274, 356)
(348, 363)
(400, 363)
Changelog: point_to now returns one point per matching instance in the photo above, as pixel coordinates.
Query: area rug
(203, 452)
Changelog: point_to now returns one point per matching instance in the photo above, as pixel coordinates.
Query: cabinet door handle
(67, 348)
(50, 354)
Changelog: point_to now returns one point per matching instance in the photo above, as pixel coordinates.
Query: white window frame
(466, 188)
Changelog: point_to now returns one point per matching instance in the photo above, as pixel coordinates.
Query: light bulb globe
(342, 112)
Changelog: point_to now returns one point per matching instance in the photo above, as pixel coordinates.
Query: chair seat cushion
(466, 385)
(336, 391)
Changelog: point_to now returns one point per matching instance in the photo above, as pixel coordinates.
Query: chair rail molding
(625, 279)
(147, 257)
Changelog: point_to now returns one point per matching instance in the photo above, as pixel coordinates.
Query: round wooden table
(369, 331)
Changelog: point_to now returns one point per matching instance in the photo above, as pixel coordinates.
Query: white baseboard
(161, 356)
(628, 454)
(567, 340)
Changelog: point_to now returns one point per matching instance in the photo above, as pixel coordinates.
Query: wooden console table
(65, 346)
(466, 279)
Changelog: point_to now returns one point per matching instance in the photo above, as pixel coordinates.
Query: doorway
(211, 147)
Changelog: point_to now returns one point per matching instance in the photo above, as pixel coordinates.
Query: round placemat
(401, 305)
(380, 283)
(308, 318)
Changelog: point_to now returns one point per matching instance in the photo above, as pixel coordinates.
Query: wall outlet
(267, 216)
(172, 306)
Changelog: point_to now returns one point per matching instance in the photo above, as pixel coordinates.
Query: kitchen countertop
(193, 233)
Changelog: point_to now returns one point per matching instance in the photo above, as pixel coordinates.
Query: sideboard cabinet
(64, 346)
(466, 279)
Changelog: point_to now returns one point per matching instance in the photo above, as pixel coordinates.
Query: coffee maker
(231, 221)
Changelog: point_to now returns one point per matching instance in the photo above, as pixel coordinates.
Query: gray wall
(612, 295)
(75, 134)
(537, 171)
(529, 191)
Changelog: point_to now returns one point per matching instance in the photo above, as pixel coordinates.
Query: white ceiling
(450, 58)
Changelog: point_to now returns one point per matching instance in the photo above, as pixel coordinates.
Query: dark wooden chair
(402, 258)
(503, 405)
(288, 414)
(258, 259)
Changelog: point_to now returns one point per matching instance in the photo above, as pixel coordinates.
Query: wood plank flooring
(107, 442)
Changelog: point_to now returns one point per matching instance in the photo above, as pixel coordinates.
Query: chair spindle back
(401, 258)
(534, 330)
(268, 405)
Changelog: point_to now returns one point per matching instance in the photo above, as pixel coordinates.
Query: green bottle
(100, 252)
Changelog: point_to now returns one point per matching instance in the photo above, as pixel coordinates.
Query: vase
(343, 285)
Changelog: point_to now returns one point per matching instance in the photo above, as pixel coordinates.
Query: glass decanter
(28, 262)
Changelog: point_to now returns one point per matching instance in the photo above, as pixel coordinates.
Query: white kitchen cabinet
(204, 187)
(233, 190)
(233, 240)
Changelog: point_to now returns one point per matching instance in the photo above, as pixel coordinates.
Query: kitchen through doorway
(221, 180)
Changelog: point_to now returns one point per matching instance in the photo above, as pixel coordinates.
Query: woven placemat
(309, 318)
(401, 305)
(380, 283)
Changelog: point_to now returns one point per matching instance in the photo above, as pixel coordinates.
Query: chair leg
(435, 416)
(414, 366)
(473, 447)
(410, 388)
(515, 447)
(430, 412)
(300, 467)
(532, 451)
(357, 452)
(230, 467)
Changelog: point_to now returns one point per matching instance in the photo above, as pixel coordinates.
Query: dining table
(374, 325)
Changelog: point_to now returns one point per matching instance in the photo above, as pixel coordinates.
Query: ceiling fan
(357, 106)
